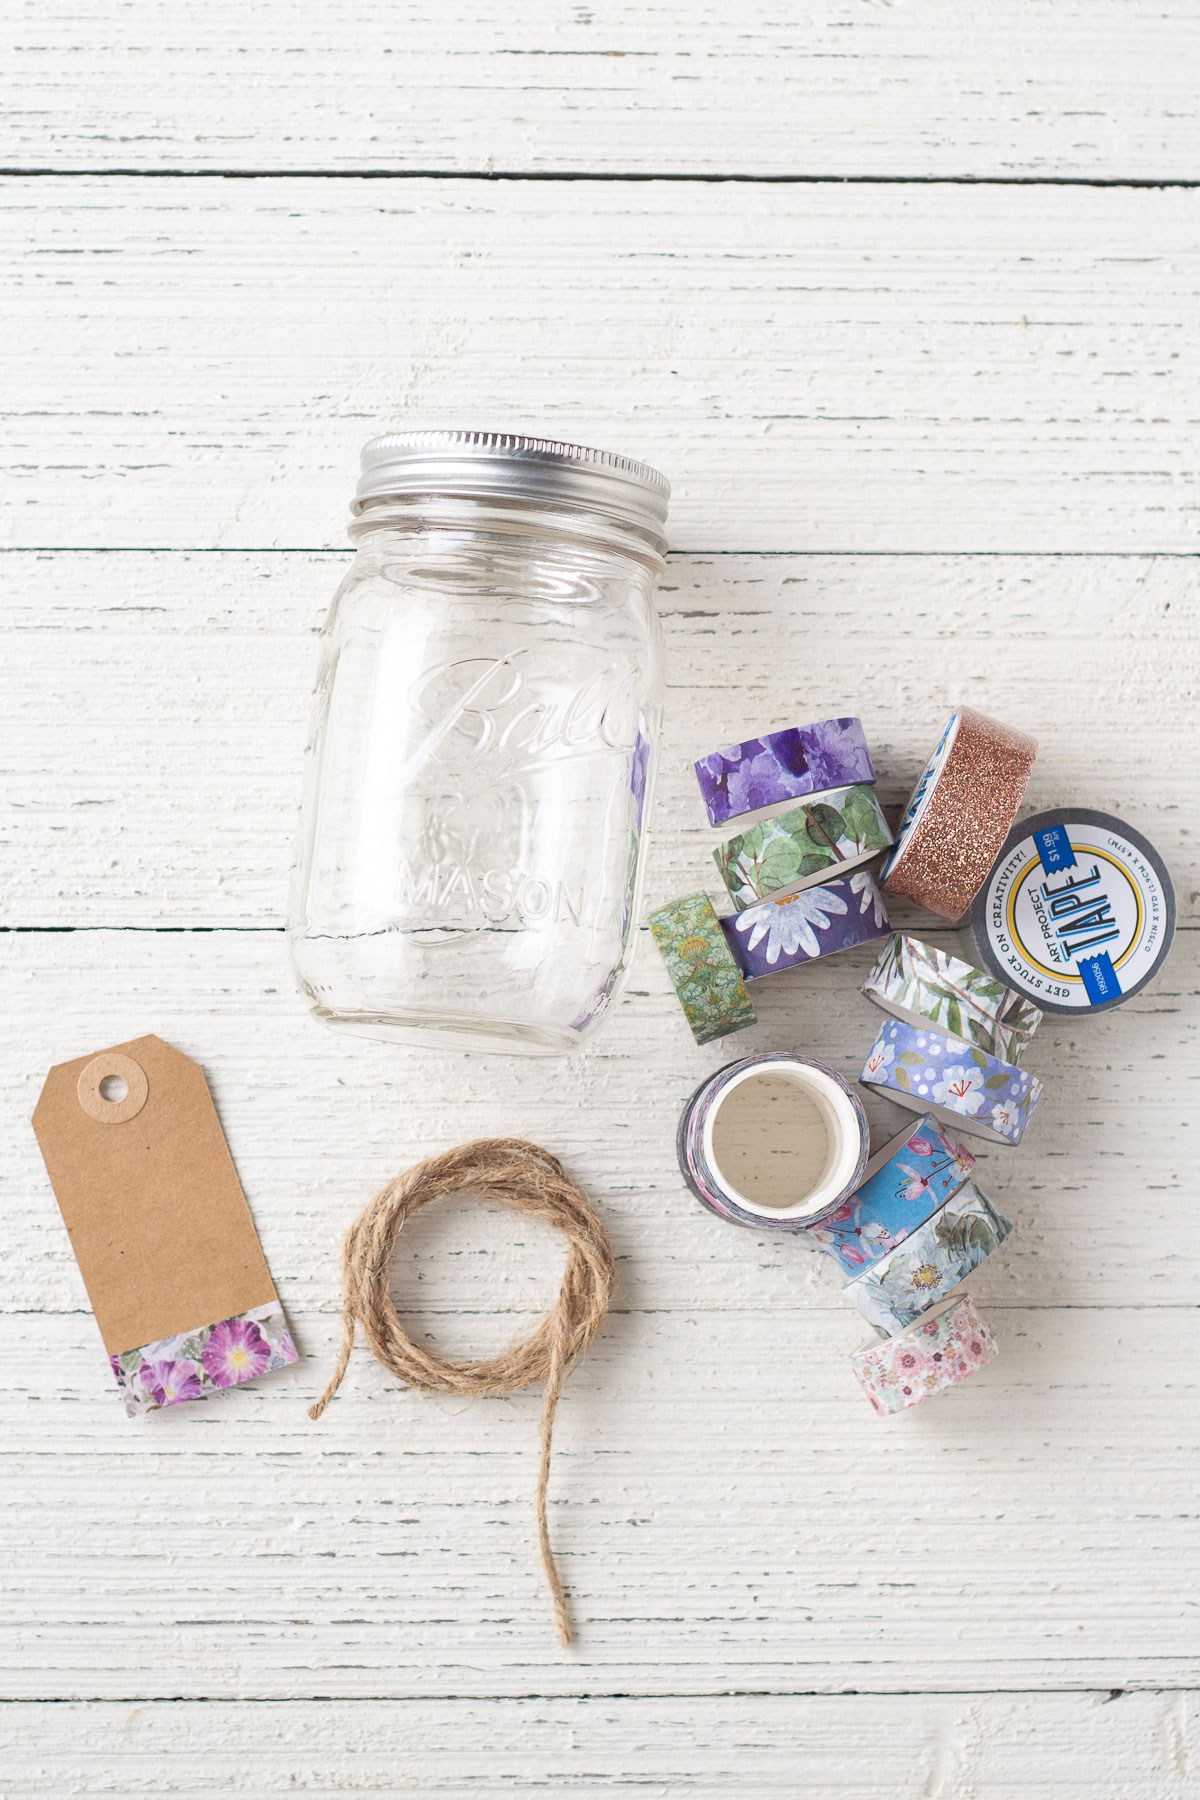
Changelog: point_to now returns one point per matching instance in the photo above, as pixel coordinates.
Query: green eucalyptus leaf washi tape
(702, 967)
(921, 984)
(839, 831)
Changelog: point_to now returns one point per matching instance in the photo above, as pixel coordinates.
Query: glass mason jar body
(479, 776)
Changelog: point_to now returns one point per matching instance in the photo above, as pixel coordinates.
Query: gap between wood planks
(15, 171)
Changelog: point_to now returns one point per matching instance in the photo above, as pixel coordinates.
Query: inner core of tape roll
(821, 1134)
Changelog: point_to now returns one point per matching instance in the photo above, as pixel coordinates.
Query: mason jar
(482, 756)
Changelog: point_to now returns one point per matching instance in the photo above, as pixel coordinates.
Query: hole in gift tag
(113, 1088)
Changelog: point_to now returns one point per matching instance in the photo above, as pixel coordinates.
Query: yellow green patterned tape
(702, 968)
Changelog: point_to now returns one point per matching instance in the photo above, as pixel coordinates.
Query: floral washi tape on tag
(903, 1185)
(783, 765)
(954, 1080)
(921, 984)
(894, 1292)
(794, 849)
(159, 1225)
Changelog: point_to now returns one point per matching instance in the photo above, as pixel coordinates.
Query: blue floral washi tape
(956, 1081)
(903, 1185)
(799, 928)
(894, 1292)
(847, 1141)
(783, 765)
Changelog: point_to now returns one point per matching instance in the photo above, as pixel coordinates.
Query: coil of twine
(529, 1180)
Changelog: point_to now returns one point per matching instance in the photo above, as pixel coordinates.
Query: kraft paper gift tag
(159, 1224)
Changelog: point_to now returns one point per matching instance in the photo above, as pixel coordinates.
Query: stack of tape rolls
(938, 1051)
(910, 1235)
(796, 873)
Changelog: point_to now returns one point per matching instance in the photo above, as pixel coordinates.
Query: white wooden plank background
(984, 397)
(1083, 89)
(829, 367)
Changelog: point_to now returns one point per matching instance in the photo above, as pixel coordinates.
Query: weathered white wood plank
(834, 368)
(156, 705)
(729, 1515)
(935, 87)
(1080, 1746)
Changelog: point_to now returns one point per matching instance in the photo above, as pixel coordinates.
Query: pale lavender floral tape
(780, 934)
(783, 765)
(195, 1363)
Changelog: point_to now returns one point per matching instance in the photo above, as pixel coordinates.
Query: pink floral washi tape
(928, 1358)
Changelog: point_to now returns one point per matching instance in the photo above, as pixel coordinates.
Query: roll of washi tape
(941, 1350)
(773, 1140)
(799, 928)
(903, 1185)
(838, 831)
(959, 814)
(783, 765)
(705, 974)
(895, 1291)
(1078, 912)
(921, 984)
(955, 1081)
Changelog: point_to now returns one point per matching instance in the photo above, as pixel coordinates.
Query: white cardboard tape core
(843, 1138)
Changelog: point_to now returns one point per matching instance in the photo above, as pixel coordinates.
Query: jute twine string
(529, 1180)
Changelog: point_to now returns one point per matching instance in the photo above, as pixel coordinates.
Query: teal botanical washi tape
(920, 983)
(837, 832)
(702, 968)
(894, 1292)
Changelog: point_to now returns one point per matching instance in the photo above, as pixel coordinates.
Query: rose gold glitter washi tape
(960, 813)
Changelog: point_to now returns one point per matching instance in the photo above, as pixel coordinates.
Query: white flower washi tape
(894, 1292)
(960, 1084)
(937, 1353)
(922, 985)
(781, 934)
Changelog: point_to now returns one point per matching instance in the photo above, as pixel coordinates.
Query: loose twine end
(529, 1180)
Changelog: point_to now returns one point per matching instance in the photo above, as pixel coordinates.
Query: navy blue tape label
(1099, 977)
(1054, 848)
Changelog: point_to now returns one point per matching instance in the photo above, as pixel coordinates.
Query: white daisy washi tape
(937, 1353)
(958, 1082)
(800, 928)
(894, 1292)
(921, 984)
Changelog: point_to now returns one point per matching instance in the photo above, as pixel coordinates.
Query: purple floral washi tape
(928, 1358)
(783, 765)
(799, 928)
(956, 1081)
(903, 1185)
(195, 1363)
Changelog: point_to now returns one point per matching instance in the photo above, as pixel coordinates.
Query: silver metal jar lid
(499, 465)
